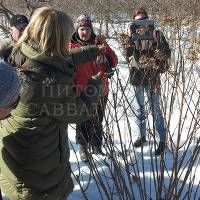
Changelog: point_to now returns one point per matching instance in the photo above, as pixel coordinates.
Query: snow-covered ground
(122, 134)
(84, 172)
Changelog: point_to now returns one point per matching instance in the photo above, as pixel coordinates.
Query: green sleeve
(84, 54)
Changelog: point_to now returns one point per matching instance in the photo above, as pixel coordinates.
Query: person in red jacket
(91, 131)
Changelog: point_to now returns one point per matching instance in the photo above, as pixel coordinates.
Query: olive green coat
(34, 159)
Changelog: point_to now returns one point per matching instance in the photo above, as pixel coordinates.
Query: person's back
(34, 157)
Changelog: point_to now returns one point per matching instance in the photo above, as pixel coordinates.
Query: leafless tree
(123, 173)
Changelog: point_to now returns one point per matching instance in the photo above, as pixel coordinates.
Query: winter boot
(97, 150)
(160, 149)
(139, 142)
(83, 153)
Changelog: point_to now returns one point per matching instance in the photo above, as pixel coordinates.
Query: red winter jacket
(85, 71)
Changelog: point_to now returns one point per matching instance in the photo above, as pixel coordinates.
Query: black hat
(18, 21)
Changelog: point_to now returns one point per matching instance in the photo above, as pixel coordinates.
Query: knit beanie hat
(83, 21)
(10, 85)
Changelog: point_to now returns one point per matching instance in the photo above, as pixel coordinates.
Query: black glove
(109, 67)
(91, 93)
(162, 66)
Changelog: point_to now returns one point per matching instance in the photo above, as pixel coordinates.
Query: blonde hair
(51, 30)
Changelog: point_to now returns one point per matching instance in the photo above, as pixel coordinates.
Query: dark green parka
(34, 159)
(148, 73)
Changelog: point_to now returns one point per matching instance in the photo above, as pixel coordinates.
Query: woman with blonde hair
(34, 157)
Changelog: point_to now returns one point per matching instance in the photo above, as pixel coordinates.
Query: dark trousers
(91, 131)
